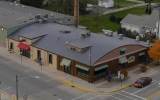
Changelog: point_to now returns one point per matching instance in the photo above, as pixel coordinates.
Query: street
(34, 85)
(150, 92)
(37, 86)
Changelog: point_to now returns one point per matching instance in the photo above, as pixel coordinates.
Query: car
(142, 82)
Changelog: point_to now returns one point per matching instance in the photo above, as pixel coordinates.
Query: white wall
(131, 28)
(106, 3)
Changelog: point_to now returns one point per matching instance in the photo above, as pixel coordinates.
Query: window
(11, 46)
(39, 54)
(101, 71)
(50, 59)
(82, 70)
(122, 51)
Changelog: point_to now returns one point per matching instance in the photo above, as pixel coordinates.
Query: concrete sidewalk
(102, 86)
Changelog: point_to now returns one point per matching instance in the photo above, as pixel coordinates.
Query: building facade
(75, 51)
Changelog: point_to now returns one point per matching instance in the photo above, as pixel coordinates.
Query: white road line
(81, 96)
(155, 82)
(134, 95)
(92, 98)
(127, 96)
(116, 97)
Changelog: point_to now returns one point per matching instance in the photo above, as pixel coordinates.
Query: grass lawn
(155, 1)
(97, 23)
(123, 3)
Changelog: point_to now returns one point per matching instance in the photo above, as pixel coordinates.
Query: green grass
(155, 1)
(97, 23)
(123, 3)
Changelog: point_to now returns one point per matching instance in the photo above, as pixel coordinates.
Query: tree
(149, 6)
(154, 51)
(35, 3)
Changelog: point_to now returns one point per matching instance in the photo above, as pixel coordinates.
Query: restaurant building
(77, 51)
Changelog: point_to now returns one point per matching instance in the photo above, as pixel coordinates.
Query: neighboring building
(14, 16)
(106, 3)
(76, 51)
(142, 23)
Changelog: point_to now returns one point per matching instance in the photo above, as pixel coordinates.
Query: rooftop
(12, 14)
(55, 41)
(143, 20)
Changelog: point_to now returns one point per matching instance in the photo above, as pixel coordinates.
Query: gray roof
(55, 41)
(142, 20)
(12, 14)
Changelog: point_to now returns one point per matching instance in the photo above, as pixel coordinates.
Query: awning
(141, 54)
(65, 62)
(23, 46)
(101, 67)
(82, 67)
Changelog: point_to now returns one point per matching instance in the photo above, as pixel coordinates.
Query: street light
(17, 92)
(21, 55)
(17, 86)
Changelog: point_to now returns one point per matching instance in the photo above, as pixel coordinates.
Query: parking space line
(153, 83)
(134, 95)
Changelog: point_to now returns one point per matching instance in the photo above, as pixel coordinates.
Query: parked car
(142, 82)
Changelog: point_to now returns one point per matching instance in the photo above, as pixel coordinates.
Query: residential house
(106, 3)
(142, 23)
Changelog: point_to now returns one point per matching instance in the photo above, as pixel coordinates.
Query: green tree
(149, 6)
(35, 3)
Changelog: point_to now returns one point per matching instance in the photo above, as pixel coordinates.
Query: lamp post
(17, 88)
(21, 55)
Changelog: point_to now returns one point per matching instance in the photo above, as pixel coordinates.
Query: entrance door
(38, 54)
(25, 53)
(142, 59)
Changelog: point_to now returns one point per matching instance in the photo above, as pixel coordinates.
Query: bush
(112, 18)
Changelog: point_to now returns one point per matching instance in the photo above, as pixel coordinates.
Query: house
(76, 51)
(106, 3)
(142, 23)
(14, 16)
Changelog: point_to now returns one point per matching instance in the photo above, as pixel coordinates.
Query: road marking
(116, 97)
(126, 96)
(155, 82)
(81, 96)
(134, 95)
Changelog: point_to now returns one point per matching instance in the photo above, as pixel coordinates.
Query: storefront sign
(131, 59)
(141, 54)
(123, 59)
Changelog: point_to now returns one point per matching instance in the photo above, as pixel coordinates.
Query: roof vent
(107, 32)
(86, 35)
(121, 36)
(137, 38)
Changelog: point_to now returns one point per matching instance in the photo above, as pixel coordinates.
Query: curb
(86, 89)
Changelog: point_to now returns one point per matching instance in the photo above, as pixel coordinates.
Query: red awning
(23, 46)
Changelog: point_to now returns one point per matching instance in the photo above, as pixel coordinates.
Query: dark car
(142, 82)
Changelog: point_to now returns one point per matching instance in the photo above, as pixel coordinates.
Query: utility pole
(158, 29)
(76, 12)
(17, 92)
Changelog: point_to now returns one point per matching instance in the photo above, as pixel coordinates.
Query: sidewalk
(102, 86)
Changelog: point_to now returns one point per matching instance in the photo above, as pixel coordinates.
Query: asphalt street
(37, 86)
(34, 85)
(150, 92)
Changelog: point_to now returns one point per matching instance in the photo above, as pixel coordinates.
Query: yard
(123, 3)
(97, 23)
